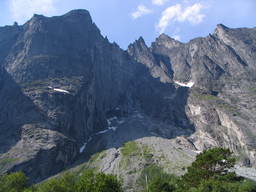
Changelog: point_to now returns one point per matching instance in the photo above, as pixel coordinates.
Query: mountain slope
(67, 92)
(220, 71)
(75, 84)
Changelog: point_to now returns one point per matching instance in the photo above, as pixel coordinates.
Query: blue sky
(124, 21)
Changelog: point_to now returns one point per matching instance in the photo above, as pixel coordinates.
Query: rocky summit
(67, 93)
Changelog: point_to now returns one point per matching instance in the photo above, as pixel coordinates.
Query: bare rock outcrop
(66, 93)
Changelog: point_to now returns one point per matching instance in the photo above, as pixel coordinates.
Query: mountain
(66, 93)
(220, 72)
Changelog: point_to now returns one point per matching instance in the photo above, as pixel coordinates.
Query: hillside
(66, 93)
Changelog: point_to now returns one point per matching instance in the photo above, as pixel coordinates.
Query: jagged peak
(166, 41)
(221, 31)
(73, 13)
(138, 43)
(221, 26)
(37, 17)
(77, 12)
(78, 16)
(164, 36)
(141, 40)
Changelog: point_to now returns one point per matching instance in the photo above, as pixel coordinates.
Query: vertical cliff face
(66, 87)
(8, 36)
(158, 65)
(219, 71)
(51, 86)
(67, 92)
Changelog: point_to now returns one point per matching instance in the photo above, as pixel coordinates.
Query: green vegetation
(88, 181)
(65, 183)
(212, 164)
(98, 183)
(15, 182)
(4, 162)
(210, 172)
(153, 178)
(98, 156)
(129, 150)
(42, 84)
(229, 108)
(225, 186)
(94, 162)
(133, 151)
(147, 153)
(206, 97)
(253, 89)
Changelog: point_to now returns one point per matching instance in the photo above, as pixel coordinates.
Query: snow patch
(187, 84)
(83, 148)
(111, 119)
(106, 130)
(197, 152)
(102, 132)
(85, 144)
(59, 90)
(112, 128)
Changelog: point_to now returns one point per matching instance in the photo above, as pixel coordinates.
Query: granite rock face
(62, 83)
(219, 71)
(66, 92)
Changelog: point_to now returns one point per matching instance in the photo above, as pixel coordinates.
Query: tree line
(210, 172)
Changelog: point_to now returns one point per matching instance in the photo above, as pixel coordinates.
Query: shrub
(65, 183)
(154, 179)
(91, 182)
(15, 182)
(211, 164)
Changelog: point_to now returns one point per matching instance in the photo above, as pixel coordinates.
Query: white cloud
(23, 9)
(167, 15)
(159, 2)
(141, 10)
(176, 37)
(177, 13)
(192, 14)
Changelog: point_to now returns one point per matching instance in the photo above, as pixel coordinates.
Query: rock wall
(66, 92)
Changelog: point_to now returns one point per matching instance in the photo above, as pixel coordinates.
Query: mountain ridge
(67, 92)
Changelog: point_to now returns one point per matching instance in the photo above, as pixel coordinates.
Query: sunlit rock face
(66, 92)
(219, 71)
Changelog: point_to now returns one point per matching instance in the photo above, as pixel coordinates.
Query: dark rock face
(8, 36)
(63, 81)
(220, 69)
(64, 88)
